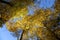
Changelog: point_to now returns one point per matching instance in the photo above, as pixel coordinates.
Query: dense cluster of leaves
(7, 11)
(35, 23)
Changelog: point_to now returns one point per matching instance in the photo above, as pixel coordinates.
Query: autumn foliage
(43, 24)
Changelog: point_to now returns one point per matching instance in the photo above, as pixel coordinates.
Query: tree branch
(2, 1)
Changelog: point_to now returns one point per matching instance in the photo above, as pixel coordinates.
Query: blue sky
(44, 4)
(5, 34)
